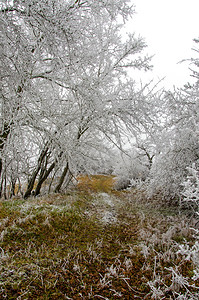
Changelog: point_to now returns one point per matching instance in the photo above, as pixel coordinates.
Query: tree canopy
(66, 94)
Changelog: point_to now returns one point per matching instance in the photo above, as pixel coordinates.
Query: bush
(190, 191)
(122, 183)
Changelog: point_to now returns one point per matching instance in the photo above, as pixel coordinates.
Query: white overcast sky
(169, 27)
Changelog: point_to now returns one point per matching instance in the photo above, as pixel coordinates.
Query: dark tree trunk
(150, 159)
(3, 138)
(35, 173)
(43, 178)
(12, 190)
(1, 166)
(4, 134)
(1, 187)
(5, 186)
(61, 180)
(45, 173)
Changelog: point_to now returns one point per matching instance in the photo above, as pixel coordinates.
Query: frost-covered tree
(190, 190)
(65, 87)
(179, 141)
(169, 168)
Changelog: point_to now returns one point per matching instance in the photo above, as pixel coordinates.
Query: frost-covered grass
(100, 244)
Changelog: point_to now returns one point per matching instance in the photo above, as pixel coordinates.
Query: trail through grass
(92, 243)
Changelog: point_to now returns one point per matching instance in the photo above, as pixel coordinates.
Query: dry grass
(96, 183)
(92, 243)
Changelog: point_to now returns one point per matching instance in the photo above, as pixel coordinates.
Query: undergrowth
(94, 243)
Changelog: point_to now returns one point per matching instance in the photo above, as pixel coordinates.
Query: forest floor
(95, 243)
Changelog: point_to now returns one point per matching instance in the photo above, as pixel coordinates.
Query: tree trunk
(5, 186)
(61, 180)
(43, 178)
(12, 189)
(35, 173)
(45, 174)
(51, 181)
(19, 190)
(1, 187)
(3, 138)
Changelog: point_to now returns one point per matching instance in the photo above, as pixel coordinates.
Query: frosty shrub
(171, 166)
(130, 168)
(122, 183)
(190, 252)
(166, 175)
(190, 191)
